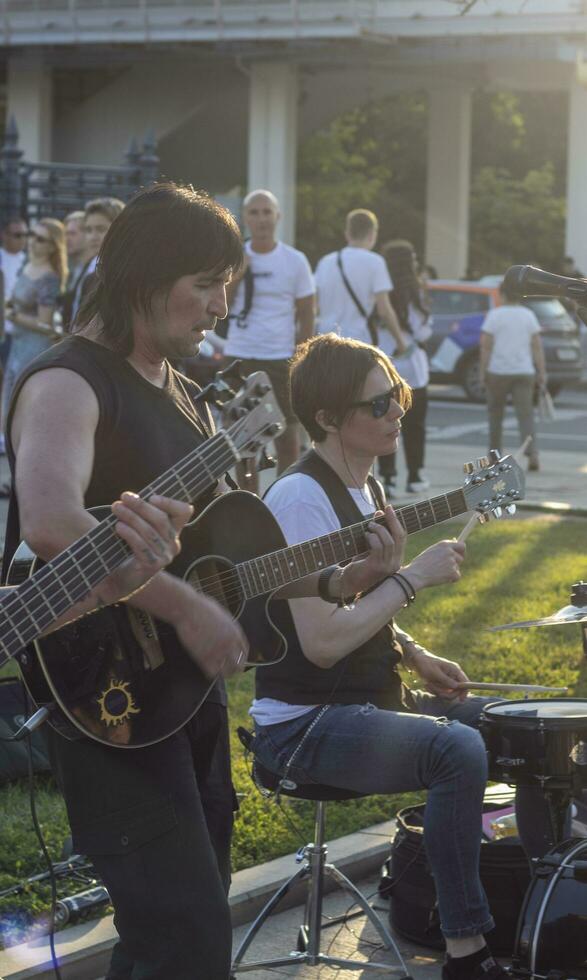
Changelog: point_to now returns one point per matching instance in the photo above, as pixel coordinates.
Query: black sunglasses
(18, 234)
(39, 239)
(379, 405)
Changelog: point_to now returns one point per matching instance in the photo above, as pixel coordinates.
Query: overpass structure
(229, 87)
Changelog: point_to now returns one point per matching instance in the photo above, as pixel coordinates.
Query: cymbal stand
(579, 598)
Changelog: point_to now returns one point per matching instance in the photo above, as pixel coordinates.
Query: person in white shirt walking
(512, 363)
(271, 306)
(353, 284)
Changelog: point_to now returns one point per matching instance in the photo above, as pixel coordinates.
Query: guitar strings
(106, 528)
(214, 585)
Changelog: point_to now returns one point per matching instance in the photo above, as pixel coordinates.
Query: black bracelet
(405, 586)
(323, 582)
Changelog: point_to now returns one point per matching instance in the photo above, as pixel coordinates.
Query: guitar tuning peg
(482, 462)
(497, 512)
(265, 461)
(494, 456)
(511, 509)
(484, 517)
(468, 467)
(208, 394)
(232, 375)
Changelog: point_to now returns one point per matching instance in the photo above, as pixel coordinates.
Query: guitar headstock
(252, 416)
(494, 483)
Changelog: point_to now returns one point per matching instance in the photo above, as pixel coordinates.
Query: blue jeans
(433, 747)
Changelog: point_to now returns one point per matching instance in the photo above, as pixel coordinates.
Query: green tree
(516, 221)
(371, 157)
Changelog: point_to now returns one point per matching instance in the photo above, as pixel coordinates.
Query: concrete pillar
(273, 137)
(576, 231)
(449, 167)
(29, 97)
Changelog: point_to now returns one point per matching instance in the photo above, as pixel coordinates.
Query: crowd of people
(106, 409)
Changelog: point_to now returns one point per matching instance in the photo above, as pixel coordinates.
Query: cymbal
(568, 614)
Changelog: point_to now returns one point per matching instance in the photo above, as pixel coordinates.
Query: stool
(314, 868)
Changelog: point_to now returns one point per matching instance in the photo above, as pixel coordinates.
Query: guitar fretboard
(258, 576)
(31, 608)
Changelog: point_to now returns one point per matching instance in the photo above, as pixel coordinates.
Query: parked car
(458, 309)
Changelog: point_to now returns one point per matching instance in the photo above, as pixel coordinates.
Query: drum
(537, 741)
(552, 939)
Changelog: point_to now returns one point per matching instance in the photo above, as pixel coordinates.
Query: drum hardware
(540, 742)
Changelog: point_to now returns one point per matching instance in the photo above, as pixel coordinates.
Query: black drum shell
(552, 929)
(524, 750)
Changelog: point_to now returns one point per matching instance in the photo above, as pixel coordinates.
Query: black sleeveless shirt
(142, 430)
(368, 673)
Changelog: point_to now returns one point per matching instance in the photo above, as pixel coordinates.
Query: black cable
(43, 846)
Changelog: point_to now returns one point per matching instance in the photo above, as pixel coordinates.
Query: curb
(84, 949)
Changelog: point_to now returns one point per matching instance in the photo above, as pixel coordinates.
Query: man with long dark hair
(103, 411)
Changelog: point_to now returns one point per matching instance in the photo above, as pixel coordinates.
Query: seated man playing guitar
(334, 710)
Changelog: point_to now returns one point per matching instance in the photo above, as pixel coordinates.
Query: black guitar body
(121, 677)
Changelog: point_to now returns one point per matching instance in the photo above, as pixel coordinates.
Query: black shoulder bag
(370, 318)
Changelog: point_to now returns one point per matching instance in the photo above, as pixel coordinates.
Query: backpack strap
(370, 325)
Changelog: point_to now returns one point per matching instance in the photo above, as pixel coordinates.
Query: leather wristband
(323, 583)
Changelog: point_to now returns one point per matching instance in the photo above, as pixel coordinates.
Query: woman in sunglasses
(34, 300)
(334, 710)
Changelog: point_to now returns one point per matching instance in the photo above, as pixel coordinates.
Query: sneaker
(488, 969)
(417, 486)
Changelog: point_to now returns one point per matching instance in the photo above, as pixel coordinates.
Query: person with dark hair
(105, 410)
(102, 411)
(334, 711)
(406, 298)
(511, 362)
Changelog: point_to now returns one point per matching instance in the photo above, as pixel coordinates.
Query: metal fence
(36, 190)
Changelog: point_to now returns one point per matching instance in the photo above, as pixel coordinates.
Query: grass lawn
(517, 569)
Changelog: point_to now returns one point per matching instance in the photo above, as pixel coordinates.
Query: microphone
(526, 280)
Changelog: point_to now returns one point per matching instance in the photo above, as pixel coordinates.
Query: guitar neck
(258, 576)
(27, 611)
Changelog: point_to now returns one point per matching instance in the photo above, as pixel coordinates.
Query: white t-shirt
(303, 511)
(413, 366)
(280, 277)
(512, 328)
(368, 275)
(11, 265)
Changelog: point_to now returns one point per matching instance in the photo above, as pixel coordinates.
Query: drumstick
(471, 523)
(482, 686)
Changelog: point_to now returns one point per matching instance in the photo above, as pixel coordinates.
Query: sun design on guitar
(499, 486)
(117, 704)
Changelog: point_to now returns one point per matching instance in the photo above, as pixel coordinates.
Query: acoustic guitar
(122, 678)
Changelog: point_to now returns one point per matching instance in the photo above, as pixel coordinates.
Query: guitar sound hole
(218, 580)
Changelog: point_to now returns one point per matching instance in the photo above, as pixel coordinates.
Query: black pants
(156, 823)
(413, 438)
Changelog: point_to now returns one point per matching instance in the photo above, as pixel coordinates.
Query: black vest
(142, 430)
(369, 673)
